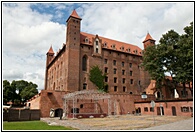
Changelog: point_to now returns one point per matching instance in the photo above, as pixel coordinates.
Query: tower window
(115, 88)
(115, 80)
(106, 70)
(123, 72)
(114, 62)
(124, 89)
(115, 70)
(123, 80)
(130, 65)
(97, 43)
(106, 79)
(84, 63)
(131, 81)
(130, 73)
(105, 61)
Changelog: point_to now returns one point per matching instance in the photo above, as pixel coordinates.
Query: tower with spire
(149, 41)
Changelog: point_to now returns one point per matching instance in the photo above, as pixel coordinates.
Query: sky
(29, 29)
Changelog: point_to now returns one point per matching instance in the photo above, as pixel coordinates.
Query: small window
(86, 40)
(115, 80)
(97, 50)
(106, 79)
(84, 86)
(184, 109)
(139, 82)
(151, 109)
(130, 65)
(131, 93)
(128, 50)
(123, 64)
(123, 80)
(81, 106)
(115, 88)
(114, 62)
(105, 44)
(131, 73)
(124, 89)
(97, 43)
(131, 81)
(123, 72)
(115, 70)
(122, 48)
(113, 46)
(145, 109)
(106, 70)
(105, 61)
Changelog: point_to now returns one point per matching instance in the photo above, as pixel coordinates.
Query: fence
(21, 115)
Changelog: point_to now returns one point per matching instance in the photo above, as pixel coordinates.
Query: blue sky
(29, 29)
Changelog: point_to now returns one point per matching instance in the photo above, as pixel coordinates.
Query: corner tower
(49, 57)
(149, 41)
(72, 60)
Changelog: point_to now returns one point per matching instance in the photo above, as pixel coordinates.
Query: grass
(32, 125)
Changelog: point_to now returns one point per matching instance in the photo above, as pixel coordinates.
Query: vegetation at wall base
(32, 125)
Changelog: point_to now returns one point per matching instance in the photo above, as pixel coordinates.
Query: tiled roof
(148, 37)
(111, 44)
(51, 50)
(74, 14)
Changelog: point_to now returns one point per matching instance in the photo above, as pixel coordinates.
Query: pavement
(179, 125)
(127, 122)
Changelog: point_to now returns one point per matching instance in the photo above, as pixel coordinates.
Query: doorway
(58, 112)
(173, 110)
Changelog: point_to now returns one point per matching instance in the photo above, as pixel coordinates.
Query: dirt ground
(120, 122)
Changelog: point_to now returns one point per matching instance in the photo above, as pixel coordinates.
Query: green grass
(32, 125)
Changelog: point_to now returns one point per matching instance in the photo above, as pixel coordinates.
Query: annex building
(67, 72)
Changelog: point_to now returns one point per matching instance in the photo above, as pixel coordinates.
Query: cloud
(27, 35)
(29, 29)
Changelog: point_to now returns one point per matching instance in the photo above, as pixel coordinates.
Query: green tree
(174, 56)
(25, 89)
(184, 71)
(97, 77)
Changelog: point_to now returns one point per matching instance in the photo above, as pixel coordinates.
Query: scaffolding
(85, 94)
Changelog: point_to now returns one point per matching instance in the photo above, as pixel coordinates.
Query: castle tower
(149, 41)
(49, 57)
(72, 60)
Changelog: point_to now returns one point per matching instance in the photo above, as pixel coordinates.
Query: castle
(68, 72)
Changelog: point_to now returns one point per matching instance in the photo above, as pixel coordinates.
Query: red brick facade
(68, 70)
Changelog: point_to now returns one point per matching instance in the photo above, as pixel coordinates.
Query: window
(123, 80)
(106, 79)
(123, 64)
(84, 86)
(184, 109)
(130, 65)
(115, 70)
(81, 106)
(145, 109)
(106, 70)
(97, 50)
(113, 46)
(115, 88)
(123, 72)
(86, 40)
(131, 81)
(105, 44)
(131, 93)
(139, 82)
(105, 61)
(151, 109)
(114, 62)
(122, 48)
(84, 63)
(115, 80)
(97, 43)
(130, 73)
(128, 50)
(124, 89)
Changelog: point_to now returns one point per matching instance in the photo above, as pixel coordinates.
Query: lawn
(32, 125)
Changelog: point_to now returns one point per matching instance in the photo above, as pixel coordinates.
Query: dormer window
(122, 48)
(105, 44)
(86, 40)
(128, 50)
(97, 43)
(113, 46)
(135, 51)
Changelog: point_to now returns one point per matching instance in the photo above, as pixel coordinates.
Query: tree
(25, 89)
(97, 78)
(173, 55)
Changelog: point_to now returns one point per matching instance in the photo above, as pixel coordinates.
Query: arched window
(84, 63)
